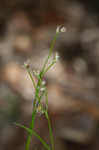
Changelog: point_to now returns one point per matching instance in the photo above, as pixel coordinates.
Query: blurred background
(26, 31)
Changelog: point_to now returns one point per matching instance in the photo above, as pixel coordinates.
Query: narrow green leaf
(24, 127)
(41, 140)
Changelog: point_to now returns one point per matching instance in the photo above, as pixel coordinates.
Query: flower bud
(60, 28)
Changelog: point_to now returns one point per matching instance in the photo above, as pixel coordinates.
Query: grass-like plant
(40, 92)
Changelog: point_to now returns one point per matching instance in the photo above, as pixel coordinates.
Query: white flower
(43, 82)
(60, 28)
(63, 29)
(42, 89)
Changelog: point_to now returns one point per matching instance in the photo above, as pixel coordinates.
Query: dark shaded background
(26, 31)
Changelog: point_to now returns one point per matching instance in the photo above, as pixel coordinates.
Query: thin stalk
(50, 52)
(35, 134)
(49, 67)
(31, 77)
(28, 141)
(40, 97)
(50, 130)
(41, 140)
(24, 127)
(27, 146)
(46, 98)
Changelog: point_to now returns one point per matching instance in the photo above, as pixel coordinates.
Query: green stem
(31, 77)
(41, 140)
(50, 52)
(50, 130)
(27, 146)
(35, 134)
(49, 67)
